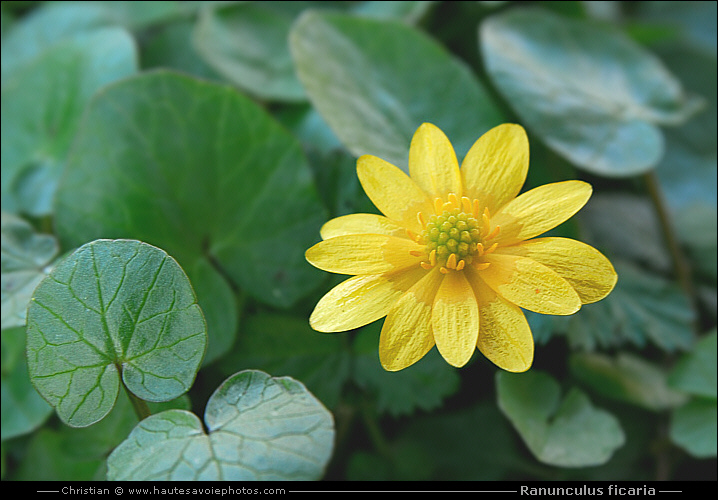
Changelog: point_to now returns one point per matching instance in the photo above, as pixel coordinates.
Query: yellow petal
(432, 163)
(455, 319)
(361, 224)
(393, 192)
(585, 268)
(495, 167)
(406, 335)
(364, 254)
(540, 209)
(530, 285)
(504, 334)
(360, 300)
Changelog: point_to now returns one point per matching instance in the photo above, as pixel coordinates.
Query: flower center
(456, 236)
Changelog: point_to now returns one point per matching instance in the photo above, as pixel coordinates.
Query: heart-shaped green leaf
(113, 308)
(591, 94)
(376, 81)
(199, 170)
(26, 256)
(566, 433)
(42, 105)
(260, 427)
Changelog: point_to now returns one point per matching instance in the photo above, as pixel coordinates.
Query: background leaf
(111, 309)
(568, 432)
(25, 260)
(42, 106)
(627, 378)
(375, 82)
(23, 410)
(592, 95)
(260, 427)
(247, 43)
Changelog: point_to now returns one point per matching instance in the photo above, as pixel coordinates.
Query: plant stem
(139, 405)
(375, 433)
(680, 264)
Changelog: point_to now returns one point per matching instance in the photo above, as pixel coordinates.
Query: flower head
(452, 261)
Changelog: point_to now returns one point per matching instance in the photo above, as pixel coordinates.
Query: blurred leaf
(375, 82)
(593, 95)
(693, 427)
(695, 373)
(42, 106)
(216, 299)
(25, 257)
(46, 459)
(696, 227)
(286, 345)
(565, 433)
(626, 226)
(23, 410)
(627, 378)
(113, 306)
(200, 170)
(423, 385)
(260, 427)
(247, 44)
(474, 444)
(409, 12)
(52, 22)
(170, 46)
(643, 307)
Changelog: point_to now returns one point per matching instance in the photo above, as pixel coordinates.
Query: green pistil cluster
(452, 232)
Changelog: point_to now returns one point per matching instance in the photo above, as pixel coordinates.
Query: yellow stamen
(454, 200)
(487, 220)
(443, 270)
(460, 265)
(432, 258)
(491, 248)
(494, 233)
(481, 266)
(426, 265)
(476, 209)
(421, 219)
(438, 205)
(411, 234)
(465, 204)
(416, 253)
(479, 249)
(451, 261)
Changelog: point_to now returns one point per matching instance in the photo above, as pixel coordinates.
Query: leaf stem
(680, 264)
(139, 405)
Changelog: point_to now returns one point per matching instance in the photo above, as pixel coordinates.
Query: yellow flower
(452, 262)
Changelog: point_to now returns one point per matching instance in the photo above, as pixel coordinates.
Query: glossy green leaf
(627, 378)
(693, 427)
(247, 44)
(201, 171)
(287, 346)
(113, 308)
(592, 94)
(423, 386)
(23, 410)
(376, 81)
(568, 432)
(42, 106)
(25, 258)
(695, 372)
(259, 427)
